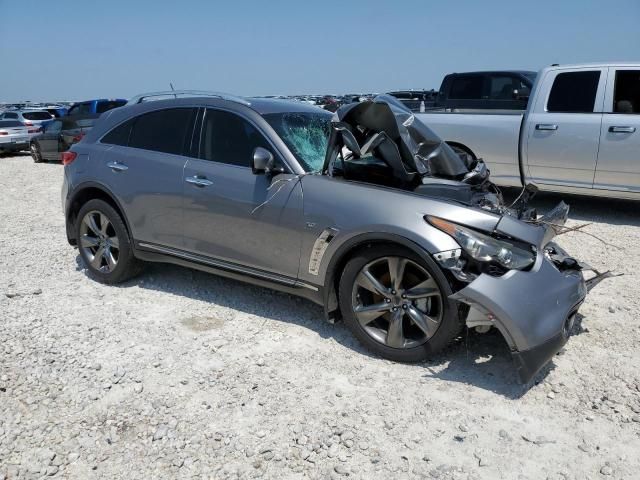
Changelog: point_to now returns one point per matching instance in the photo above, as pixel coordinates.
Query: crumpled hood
(418, 147)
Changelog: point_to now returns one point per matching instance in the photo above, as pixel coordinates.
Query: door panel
(225, 220)
(562, 146)
(149, 186)
(619, 156)
(48, 141)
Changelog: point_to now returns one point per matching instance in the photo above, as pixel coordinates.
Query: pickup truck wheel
(35, 152)
(104, 243)
(397, 304)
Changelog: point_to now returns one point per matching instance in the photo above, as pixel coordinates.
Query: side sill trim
(252, 272)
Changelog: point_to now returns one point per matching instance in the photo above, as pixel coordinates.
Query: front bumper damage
(534, 310)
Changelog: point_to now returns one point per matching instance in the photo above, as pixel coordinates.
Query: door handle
(617, 129)
(198, 181)
(117, 167)
(546, 126)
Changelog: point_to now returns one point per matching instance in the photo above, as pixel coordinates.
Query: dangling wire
(283, 183)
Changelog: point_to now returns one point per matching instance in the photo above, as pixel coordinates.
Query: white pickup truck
(580, 132)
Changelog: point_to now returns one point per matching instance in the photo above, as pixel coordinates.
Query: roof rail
(144, 97)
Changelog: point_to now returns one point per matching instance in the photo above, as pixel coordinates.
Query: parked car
(394, 230)
(58, 136)
(30, 118)
(578, 135)
(15, 136)
(93, 107)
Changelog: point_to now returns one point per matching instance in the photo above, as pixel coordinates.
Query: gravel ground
(181, 374)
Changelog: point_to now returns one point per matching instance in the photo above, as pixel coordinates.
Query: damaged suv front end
(505, 272)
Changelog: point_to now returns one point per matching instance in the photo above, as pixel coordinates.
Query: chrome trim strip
(227, 266)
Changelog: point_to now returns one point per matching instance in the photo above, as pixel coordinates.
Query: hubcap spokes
(99, 241)
(397, 302)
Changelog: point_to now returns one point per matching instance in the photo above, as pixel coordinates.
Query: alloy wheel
(99, 241)
(397, 302)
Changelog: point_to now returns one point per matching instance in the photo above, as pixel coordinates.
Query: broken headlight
(484, 248)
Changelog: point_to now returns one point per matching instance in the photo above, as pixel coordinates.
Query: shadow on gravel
(478, 360)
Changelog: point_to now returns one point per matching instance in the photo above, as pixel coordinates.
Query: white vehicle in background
(30, 118)
(580, 133)
(15, 136)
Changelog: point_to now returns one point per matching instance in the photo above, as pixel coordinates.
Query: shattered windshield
(306, 134)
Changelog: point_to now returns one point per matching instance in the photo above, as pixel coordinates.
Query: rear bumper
(534, 310)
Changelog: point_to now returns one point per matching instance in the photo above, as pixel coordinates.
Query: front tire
(34, 149)
(397, 303)
(104, 243)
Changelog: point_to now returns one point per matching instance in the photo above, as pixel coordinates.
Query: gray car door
(232, 214)
(619, 155)
(141, 162)
(49, 139)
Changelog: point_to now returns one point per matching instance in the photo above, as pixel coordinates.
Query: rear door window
(10, 115)
(163, 130)
(574, 92)
(626, 95)
(501, 87)
(228, 138)
(467, 87)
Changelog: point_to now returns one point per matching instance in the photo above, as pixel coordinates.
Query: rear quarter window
(119, 135)
(37, 115)
(109, 105)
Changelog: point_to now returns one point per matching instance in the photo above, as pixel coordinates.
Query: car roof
(260, 105)
(485, 72)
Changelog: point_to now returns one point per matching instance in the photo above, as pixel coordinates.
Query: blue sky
(56, 50)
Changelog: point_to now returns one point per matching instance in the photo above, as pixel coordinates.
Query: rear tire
(104, 243)
(35, 152)
(416, 317)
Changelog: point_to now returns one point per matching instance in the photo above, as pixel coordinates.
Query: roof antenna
(173, 89)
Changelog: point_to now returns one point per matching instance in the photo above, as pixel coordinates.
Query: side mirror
(263, 161)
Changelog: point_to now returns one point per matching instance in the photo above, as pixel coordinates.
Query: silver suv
(365, 212)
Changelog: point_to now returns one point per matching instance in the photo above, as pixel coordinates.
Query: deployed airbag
(391, 132)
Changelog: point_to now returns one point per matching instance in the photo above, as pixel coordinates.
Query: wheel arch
(346, 251)
(81, 195)
(463, 147)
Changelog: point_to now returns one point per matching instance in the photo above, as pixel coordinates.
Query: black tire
(450, 323)
(36, 154)
(126, 266)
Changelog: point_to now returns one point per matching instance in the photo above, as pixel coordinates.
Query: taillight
(33, 130)
(4, 133)
(28, 124)
(68, 157)
(78, 137)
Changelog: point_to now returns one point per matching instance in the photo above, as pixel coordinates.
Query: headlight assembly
(484, 248)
